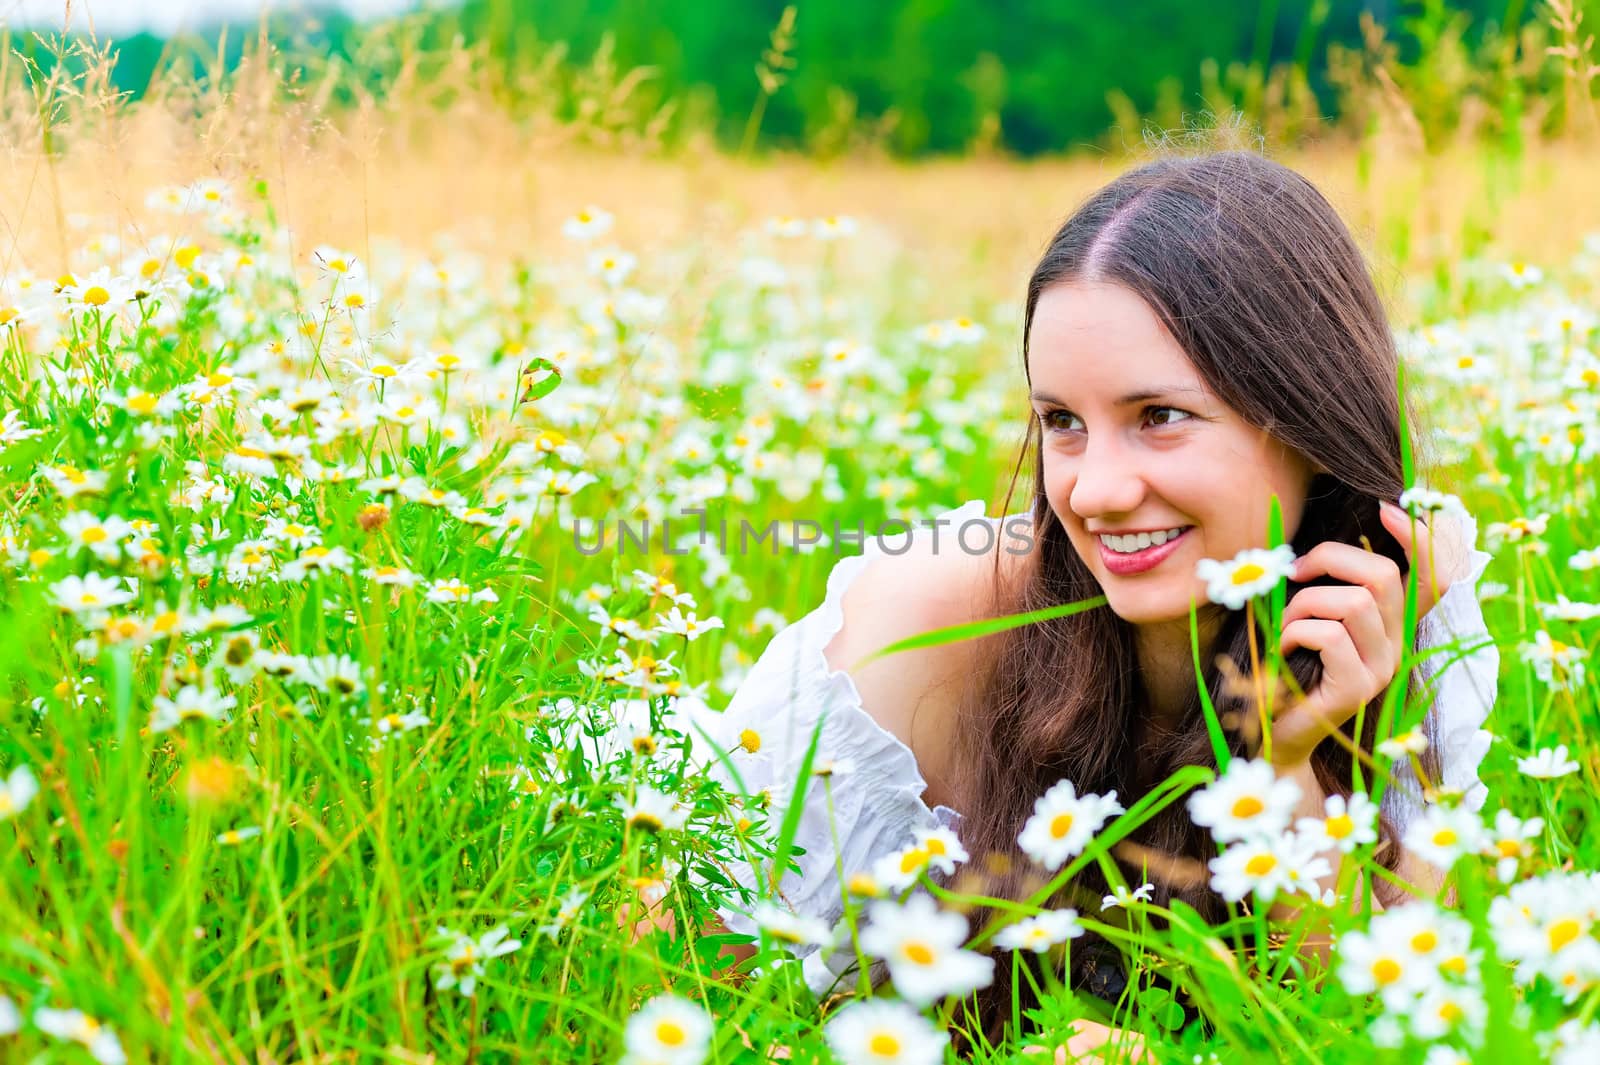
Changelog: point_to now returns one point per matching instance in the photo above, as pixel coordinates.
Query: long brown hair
(1257, 278)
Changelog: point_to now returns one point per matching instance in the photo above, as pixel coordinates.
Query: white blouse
(877, 799)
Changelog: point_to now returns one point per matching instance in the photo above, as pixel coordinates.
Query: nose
(1108, 483)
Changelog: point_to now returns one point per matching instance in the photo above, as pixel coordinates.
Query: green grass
(318, 938)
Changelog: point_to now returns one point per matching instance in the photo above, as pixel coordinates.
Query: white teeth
(1139, 541)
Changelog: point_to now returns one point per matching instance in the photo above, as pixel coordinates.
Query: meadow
(321, 739)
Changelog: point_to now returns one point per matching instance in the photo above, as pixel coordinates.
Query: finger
(1376, 573)
(1346, 682)
(1352, 605)
(1416, 540)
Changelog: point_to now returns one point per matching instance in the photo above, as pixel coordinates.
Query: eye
(1154, 411)
(1058, 421)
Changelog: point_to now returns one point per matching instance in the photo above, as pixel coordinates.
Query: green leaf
(985, 627)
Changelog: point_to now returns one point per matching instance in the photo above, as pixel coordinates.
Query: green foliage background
(1031, 76)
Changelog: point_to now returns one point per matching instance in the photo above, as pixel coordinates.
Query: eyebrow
(1132, 397)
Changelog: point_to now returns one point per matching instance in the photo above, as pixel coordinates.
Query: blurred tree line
(928, 76)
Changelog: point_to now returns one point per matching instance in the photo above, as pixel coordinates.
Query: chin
(1144, 613)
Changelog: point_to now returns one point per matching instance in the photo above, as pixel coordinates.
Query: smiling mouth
(1134, 542)
(1127, 555)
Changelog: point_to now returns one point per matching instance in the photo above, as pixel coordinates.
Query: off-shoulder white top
(877, 803)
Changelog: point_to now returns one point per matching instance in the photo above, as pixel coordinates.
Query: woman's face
(1134, 442)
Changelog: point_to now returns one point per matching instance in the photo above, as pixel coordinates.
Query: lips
(1127, 564)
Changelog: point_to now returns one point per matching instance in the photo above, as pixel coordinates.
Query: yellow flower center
(750, 740)
(1261, 865)
(1445, 837)
(1248, 806)
(1339, 826)
(1509, 848)
(671, 1034)
(143, 403)
(1248, 572)
(186, 256)
(94, 534)
(919, 953)
(1424, 941)
(95, 296)
(913, 859)
(1563, 932)
(1450, 1012)
(1386, 971)
(1060, 825)
(884, 1045)
(219, 379)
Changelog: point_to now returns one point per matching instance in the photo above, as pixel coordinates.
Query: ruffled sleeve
(875, 784)
(1463, 674)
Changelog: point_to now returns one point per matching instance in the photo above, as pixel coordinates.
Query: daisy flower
(1508, 842)
(1268, 867)
(677, 623)
(12, 430)
(653, 811)
(1040, 932)
(587, 224)
(455, 590)
(77, 1027)
(10, 1017)
(1344, 825)
(1430, 502)
(1585, 560)
(315, 561)
(612, 265)
(1252, 572)
(70, 482)
(788, 927)
(17, 791)
(334, 674)
(884, 1032)
(1443, 834)
(1407, 743)
(90, 592)
(1558, 664)
(235, 836)
(922, 945)
(1121, 896)
(1564, 609)
(1520, 275)
(1247, 801)
(1547, 763)
(1371, 962)
(1446, 1008)
(833, 226)
(102, 536)
(465, 955)
(1063, 823)
(1517, 530)
(668, 1030)
(571, 903)
(190, 704)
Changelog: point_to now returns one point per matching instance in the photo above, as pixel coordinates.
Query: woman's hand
(1357, 629)
(1087, 1039)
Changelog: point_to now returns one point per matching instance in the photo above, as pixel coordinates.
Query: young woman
(1200, 336)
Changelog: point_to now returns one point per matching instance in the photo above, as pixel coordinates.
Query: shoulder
(896, 597)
